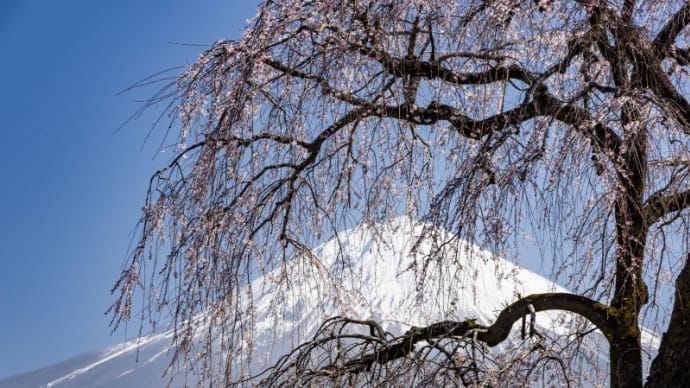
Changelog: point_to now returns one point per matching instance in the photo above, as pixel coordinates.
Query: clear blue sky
(70, 187)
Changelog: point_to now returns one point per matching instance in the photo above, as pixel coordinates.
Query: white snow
(376, 277)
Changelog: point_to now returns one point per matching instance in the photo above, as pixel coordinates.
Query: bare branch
(627, 11)
(431, 70)
(491, 335)
(494, 121)
(677, 23)
(659, 205)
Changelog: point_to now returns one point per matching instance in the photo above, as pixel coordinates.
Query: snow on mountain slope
(376, 278)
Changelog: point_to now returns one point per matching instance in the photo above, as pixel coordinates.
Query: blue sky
(71, 185)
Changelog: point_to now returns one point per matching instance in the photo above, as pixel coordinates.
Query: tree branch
(603, 137)
(627, 11)
(433, 70)
(672, 28)
(323, 83)
(659, 205)
(492, 335)
(466, 126)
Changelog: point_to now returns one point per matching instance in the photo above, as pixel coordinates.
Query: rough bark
(631, 234)
(671, 367)
(602, 316)
(625, 355)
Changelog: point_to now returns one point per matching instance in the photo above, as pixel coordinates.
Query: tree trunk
(629, 297)
(671, 367)
(630, 292)
(625, 350)
(626, 362)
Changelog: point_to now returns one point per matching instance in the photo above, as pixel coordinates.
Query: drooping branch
(665, 38)
(593, 311)
(491, 335)
(633, 47)
(323, 83)
(542, 104)
(294, 127)
(434, 69)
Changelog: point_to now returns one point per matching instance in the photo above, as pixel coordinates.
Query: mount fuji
(374, 272)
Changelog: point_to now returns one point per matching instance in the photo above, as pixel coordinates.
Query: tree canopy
(564, 122)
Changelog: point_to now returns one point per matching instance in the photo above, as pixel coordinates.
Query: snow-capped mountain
(377, 271)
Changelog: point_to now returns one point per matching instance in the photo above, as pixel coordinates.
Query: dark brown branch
(603, 137)
(659, 205)
(667, 36)
(599, 18)
(681, 55)
(651, 76)
(593, 311)
(492, 335)
(314, 149)
(631, 47)
(627, 11)
(467, 127)
(263, 136)
(543, 104)
(433, 70)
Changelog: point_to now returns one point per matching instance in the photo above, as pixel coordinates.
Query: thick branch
(659, 205)
(543, 104)
(672, 28)
(466, 126)
(650, 75)
(491, 335)
(593, 311)
(603, 137)
(627, 11)
(432, 70)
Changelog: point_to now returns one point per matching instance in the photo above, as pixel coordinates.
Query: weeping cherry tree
(566, 121)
